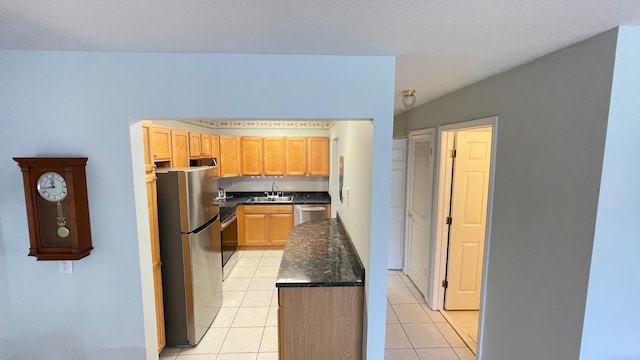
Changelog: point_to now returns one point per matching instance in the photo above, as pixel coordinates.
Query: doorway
(463, 212)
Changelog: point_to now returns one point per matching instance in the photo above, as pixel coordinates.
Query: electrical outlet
(65, 267)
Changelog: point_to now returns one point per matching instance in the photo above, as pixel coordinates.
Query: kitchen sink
(271, 199)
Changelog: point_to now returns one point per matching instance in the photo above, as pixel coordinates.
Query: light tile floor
(415, 332)
(246, 327)
(466, 323)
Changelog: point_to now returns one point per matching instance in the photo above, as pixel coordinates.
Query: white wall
(73, 103)
(612, 314)
(356, 146)
(550, 141)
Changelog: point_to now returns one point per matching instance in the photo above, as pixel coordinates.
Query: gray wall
(550, 140)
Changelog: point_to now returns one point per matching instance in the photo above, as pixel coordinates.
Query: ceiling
(441, 45)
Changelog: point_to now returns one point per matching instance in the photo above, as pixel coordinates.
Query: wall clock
(55, 191)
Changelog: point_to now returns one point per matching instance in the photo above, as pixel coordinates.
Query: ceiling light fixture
(408, 98)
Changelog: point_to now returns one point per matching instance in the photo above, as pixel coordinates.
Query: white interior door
(469, 195)
(419, 195)
(397, 211)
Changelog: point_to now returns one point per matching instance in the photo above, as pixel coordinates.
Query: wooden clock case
(45, 243)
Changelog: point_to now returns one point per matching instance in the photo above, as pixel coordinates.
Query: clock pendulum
(63, 230)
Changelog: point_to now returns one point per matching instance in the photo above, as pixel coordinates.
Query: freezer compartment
(186, 197)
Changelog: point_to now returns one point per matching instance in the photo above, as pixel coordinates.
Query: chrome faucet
(274, 189)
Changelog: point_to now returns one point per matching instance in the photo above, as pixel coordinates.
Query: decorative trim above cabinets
(263, 124)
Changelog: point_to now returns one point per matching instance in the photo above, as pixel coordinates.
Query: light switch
(345, 195)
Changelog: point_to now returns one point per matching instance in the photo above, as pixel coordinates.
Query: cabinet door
(256, 229)
(273, 155)
(318, 156)
(251, 155)
(229, 156)
(279, 226)
(296, 156)
(160, 143)
(205, 145)
(180, 148)
(146, 143)
(194, 145)
(215, 150)
(152, 207)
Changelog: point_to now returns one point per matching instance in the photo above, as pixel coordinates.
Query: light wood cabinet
(160, 139)
(205, 145)
(199, 145)
(215, 150)
(318, 156)
(273, 156)
(195, 146)
(251, 155)
(296, 156)
(146, 141)
(320, 322)
(229, 156)
(179, 148)
(264, 226)
(152, 207)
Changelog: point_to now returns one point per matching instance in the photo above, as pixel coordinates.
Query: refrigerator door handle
(203, 226)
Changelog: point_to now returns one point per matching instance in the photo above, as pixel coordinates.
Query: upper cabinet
(273, 156)
(215, 150)
(194, 145)
(199, 145)
(318, 156)
(146, 141)
(237, 155)
(296, 156)
(180, 148)
(160, 143)
(229, 163)
(205, 145)
(251, 155)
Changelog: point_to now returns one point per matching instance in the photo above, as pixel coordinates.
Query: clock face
(52, 187)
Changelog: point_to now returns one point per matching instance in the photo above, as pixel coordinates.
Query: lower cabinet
(317, 323)
(264, 226)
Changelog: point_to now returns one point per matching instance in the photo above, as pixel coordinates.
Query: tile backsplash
(284, 183)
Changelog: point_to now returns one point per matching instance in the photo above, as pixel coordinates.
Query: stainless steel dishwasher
(304, 213)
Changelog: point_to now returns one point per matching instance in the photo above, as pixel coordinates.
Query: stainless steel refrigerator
(190, 249)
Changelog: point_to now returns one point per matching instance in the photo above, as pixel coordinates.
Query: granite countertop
(228, 205)
(320, 254)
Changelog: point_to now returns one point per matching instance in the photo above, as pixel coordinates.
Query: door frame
(442, 200)
(409, 194)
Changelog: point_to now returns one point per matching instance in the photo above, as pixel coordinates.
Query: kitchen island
(320, 294)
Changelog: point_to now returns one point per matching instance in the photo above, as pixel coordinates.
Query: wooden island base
(320, 294)
(319, 323)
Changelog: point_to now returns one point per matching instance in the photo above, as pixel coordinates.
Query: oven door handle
(228, 221)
